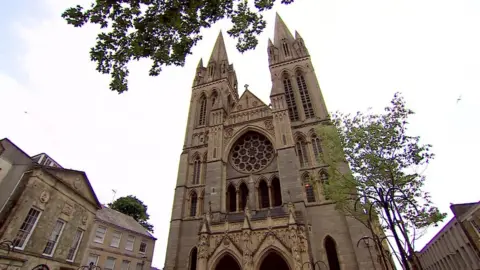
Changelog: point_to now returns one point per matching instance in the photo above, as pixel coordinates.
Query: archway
(193, 259)
(332, 256)
(274, 261)
(41, 267)
(227, 262)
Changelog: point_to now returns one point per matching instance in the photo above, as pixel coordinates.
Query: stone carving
(84, 220)
(228, 132)
(44, 197)
(77, 183)
(67, 209)
(268, 124)
(203, 246)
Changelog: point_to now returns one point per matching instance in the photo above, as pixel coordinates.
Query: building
(249, 188)
(468, 215)
(451, 248)
(51, 211)
(119, 242)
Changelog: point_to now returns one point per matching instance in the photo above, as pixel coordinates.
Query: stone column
(237, 195)
(270, 201)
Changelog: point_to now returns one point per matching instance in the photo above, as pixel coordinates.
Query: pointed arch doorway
(227, 262)
(273, 261)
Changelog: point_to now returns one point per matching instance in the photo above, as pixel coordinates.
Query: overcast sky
(52, 100)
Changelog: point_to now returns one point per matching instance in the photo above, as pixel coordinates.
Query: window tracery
(251, 153)
(305, 96)
(301, 149)
(202, 111)
(286, 50)
(309, 191)
(197, 168)
(193, 204)
(317, 147)
(290, 98)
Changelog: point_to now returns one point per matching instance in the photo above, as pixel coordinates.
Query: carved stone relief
(44, 197)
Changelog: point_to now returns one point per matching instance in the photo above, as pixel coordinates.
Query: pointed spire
(200, 63)
(270, 43)
(281, 32)
(297, 35)
(219, 52)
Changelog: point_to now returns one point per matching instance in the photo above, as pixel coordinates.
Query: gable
(77, 181)
(248, 101)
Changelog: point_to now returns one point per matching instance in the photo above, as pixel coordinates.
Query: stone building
(119, 242)
(249, 188)
(50, 213)
(452, 246)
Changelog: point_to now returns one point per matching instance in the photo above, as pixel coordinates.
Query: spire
(270, 43)
(219, 52)
(200, 63)
(297, 35)
(281, 32)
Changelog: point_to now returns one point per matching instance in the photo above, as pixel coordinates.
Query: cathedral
(249, 189)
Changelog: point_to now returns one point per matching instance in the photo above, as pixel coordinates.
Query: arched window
(317, 147)
(202, 110)
(276, 192)
(290, 98)
(305, 96)
(243, 196)
(263, 199)
(310, 193)
(301, 149)
(193, 259)
(197, 170)
(231, 198)
(214, 98)
(193, 204)
(332, 256)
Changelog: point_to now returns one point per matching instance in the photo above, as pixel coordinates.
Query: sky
(52, 100)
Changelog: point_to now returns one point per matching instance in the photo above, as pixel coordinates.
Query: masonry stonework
(249, 189)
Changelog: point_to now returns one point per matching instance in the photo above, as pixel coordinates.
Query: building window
(309, 192)
(193, 204)
(301, 149)
(125, 265)
(231, 198)
(116, 237)
(109, 263)
(92, 258)
(264, 199)
(290, 98)
(202, 110)
(130, 242)
(53, 239)
(305, 96)
(75, 244)
(143, 247)
(317, 147)
(100, 234)
(276, 192)
(243, 196)
(26, 229)
(197, 166)
(285, 48)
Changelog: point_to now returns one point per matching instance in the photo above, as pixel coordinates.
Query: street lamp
(91, 266)
(313, 265)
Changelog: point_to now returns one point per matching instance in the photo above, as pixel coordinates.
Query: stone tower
(249, 188)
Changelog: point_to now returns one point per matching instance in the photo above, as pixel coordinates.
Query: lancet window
(197, 170)
(202, 110)
(309, 191)
(193, 204)
(305, 96)
(317, 147)
(290, 98)
(301, 149)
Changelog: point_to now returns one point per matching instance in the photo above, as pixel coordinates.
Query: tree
(383, 178)
(132, 206)
(164, 31)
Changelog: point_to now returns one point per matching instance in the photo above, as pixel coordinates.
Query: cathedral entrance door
(227, 262)
(273, 261)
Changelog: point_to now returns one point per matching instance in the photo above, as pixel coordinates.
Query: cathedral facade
(249, 189)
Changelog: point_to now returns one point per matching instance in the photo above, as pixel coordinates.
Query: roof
(121, 220)
(460, 209)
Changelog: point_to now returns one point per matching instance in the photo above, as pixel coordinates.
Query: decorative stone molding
(44, 197)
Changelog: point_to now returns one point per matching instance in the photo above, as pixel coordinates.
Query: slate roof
(121, 220)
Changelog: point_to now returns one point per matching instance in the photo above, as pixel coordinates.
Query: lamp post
(314, 264)
(90, 266)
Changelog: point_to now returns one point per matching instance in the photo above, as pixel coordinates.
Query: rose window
(251, 153)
